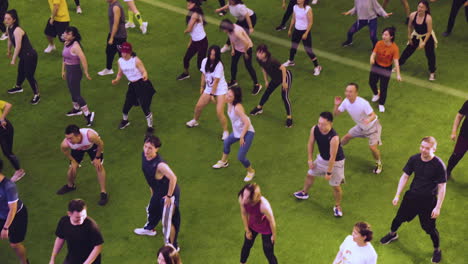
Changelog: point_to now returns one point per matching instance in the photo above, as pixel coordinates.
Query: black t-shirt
(464, 128)
(427, 175)
(323, 142)
(272, 67)
(81, 239)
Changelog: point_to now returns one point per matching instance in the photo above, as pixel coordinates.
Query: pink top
(258, 222)
(68, 57)
(238, 43)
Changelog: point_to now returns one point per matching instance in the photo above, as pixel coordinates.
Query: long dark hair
(236, 2)
(264, 49)
(13, 15)
(236, 90)
(170, 254)
(255, 193)
(391, 30)
(74, 31)
(227, 25)
(196, 9)
(426, 3)
(211, 65)
(306, 3)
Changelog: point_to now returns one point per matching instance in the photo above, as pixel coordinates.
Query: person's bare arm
(54, 13)
(266, 210)
(401, 185)
(410, 27)
(310, 21)
(334, 144)
(141, 67)
(115, 25)
(245, 219)
(192, 22)
(58, 244)
(429, 32)
(18, 43)
(310, 148)
(338, 258)
(456, 124)
(94, 254)
(10, 217)
(396, 62)
(164, 169)
(293, 21)
(372, 58)
(118, 76)
(224, 8)
(338, 101)
(239, 109)
(6, 110)
(76, 49)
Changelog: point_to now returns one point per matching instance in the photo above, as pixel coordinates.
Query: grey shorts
(321, 167)
(373, 133)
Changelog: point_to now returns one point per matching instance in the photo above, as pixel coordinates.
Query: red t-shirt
(386, 54)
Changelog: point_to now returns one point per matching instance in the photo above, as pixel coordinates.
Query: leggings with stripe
(284, 94)
(157, 211)
(296, 39)
(26, 70)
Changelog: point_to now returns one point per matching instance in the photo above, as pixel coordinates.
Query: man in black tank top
(329, 163)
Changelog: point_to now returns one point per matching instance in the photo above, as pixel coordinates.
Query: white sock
(125, 117)
(76, 106)
(149, 120)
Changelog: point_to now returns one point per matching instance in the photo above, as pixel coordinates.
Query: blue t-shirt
(8, 194)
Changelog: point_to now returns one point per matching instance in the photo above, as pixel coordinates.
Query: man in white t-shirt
(356, 248)
(367, 123)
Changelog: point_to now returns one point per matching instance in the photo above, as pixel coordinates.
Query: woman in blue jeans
(242, 131)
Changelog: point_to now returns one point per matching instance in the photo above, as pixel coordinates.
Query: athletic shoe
(104, 199)
(346, 43)
(289, 122)
(15, 90)
(144, 27)
(89, 119)
(183, 76)
(437, 256)
(301, 195)
(145, 232)
(388, 238)
(225, 135)
(106, 72)
(50, 48)
(375, 98)
(381, 108)
(337, 211)
(225, 48)
(222, 13)
(378, 168)
(74, 112)
(4, 36)
(129, 25)
(446, 34)
(78, 10)
(432, 77)
(256, 111)
(123, 124)
(249, 176)
(66, 189)
(232, 83)
(280, 27)
(19, 174)
(192, 123)
(289, 63)
(317, 70)
(35, 100)
(314, 2)
(220, 164)
(256, 89)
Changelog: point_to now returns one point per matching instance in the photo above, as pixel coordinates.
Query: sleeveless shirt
(323, 142)
(257, 220)
(159, 187)
(121, 31)
(26, 47)
(68, 57)
(236, 121)
(420, 28)
(130, 69)
(85, 144)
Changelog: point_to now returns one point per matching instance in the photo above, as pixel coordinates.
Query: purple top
(257, 221)
(68, 57)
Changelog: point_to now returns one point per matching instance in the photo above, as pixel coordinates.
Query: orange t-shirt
(386, 54)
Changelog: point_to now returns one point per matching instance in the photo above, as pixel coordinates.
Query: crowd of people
(82, 234)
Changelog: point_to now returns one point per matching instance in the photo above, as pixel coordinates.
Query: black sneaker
(256, 89)
(89, 119)
(289, 122)
(388, 238)
(232, 83)
(123, 124)
(346, 44)
(104, 199)
(183, 76)
(446, 34)
(74, 112)
(15, 90)
(437, 256)
(280, 27)
(256, 111)
(66, 189)
(35, 100)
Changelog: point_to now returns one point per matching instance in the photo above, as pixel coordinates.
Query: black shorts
(140, 93)
(19, 226)
(79, 154)
(56, 29)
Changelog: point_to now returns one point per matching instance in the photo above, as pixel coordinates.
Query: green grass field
(211, 230)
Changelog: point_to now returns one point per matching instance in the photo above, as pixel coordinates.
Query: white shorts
(321, 167)
(373, 133)
(218, 91)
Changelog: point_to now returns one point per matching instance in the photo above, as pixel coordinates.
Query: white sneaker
(78, 10)
(106, 72)
(220, 164)
(144, 27)
(50, 48)
(381, 108)
(289, 63)
(144, 232)
(317, 70)
(192, 123)
(18, 175)
(225, 135)
(432, 77)
(249, 176)
(375, 98)
(225, 48)
(129, 25)
(314, 2)
(337, 211)
(4, 36)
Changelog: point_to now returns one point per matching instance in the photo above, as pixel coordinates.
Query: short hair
(364, 229)
(227, 25)
(327, 115)
(76, 205)
(255, 193)
(431, 140)
(170, 254)
(355, 85)
(153, 140)
(72, 129)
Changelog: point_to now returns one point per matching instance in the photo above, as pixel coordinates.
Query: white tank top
(301, 17)
(236, 121)
(238, 43)
(239, 11)
(130, 70)
(85, 144)
(198, 30)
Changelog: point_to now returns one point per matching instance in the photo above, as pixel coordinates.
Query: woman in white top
(242, 131)
(356, 248)
(246, 18)
(213, 88)
(140, 89)
(302, 20)
(198, 41)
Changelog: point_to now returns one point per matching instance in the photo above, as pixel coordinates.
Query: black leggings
(247, 62)
(429, 48)
(26, 70)
(245, 26)
(456, 5)
(74, 75)
(284, 94)
(268, 248)
(77, 2)
(296, 39)
(111, 50)
(383, 74)
(196, 47)
(6, 141)
(288, 12)
(458, 152)
(3, 9)
(139, 93)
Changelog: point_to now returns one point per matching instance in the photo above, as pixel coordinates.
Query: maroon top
(258, 222)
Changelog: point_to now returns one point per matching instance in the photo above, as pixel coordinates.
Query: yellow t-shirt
(62, 13)
(2, 106)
